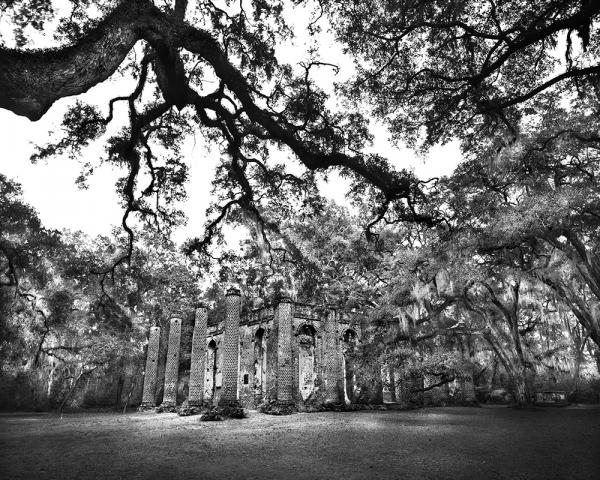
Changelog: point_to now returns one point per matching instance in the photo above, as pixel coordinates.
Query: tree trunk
(515, 369)
(594, 351)
(129, 394)
(393, 385)
(70, 392)
(119, 392)
(574, 393)
(522, 392)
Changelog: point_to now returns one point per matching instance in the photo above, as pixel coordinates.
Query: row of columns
(231, 355)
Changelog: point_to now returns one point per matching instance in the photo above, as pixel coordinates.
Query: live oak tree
(469, 69)
(538, 202)
(490, 72)
(529, 216)
(64, 320)
(198, 68)
(475, 70)
(23, 239)
(27, 254)
(315, 256)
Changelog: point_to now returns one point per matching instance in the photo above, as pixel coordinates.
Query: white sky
(50, 187)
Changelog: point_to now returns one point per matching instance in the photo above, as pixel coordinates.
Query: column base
(146, 407)
(224, 410)
(279, 407)
(168, 406)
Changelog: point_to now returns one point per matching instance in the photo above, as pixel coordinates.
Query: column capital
(233, 292)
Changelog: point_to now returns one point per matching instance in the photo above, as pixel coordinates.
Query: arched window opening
(260, 364)
(348, 347)
(211, 371)
(306, 361)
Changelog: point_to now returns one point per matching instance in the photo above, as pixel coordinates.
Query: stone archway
(306, 361)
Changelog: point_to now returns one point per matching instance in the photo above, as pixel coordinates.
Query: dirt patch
(459, 443)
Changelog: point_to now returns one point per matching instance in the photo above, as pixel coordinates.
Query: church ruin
(292, 353)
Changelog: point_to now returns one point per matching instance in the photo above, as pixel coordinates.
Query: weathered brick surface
(213, 366)
(197, 367)
(148, 396)
(229, 393)
(305, 362)
(271, 374)
(319, 366)
(172, 367)
(240, 370)
(332, 359)
(246, 390)
(185, 357)
(285, 376)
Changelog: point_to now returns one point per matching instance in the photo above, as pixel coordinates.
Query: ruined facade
(292, 353)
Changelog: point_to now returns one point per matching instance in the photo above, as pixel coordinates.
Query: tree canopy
(431, 70)
(506, 246)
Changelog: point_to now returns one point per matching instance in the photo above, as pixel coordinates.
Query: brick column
(331, 354)
(231, 348)
(151, 368)
(197, 377)
(285, 374)
(172, 367)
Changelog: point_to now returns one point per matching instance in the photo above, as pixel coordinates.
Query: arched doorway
(306, 361)
(349, 378)
(260, 365)
(211, 371)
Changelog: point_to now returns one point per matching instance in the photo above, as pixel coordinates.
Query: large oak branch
(31, 81)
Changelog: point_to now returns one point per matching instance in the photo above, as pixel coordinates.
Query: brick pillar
(231, 349)
(332, 360)
(197, 377)
(151, 368)
(172, 367)
(285, 373)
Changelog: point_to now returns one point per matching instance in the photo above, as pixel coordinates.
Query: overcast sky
(50, 186)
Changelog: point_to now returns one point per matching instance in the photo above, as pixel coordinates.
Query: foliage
(503, 253)
(471, 69)
(65, 322)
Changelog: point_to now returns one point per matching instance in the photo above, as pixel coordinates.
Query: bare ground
(457, 443)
